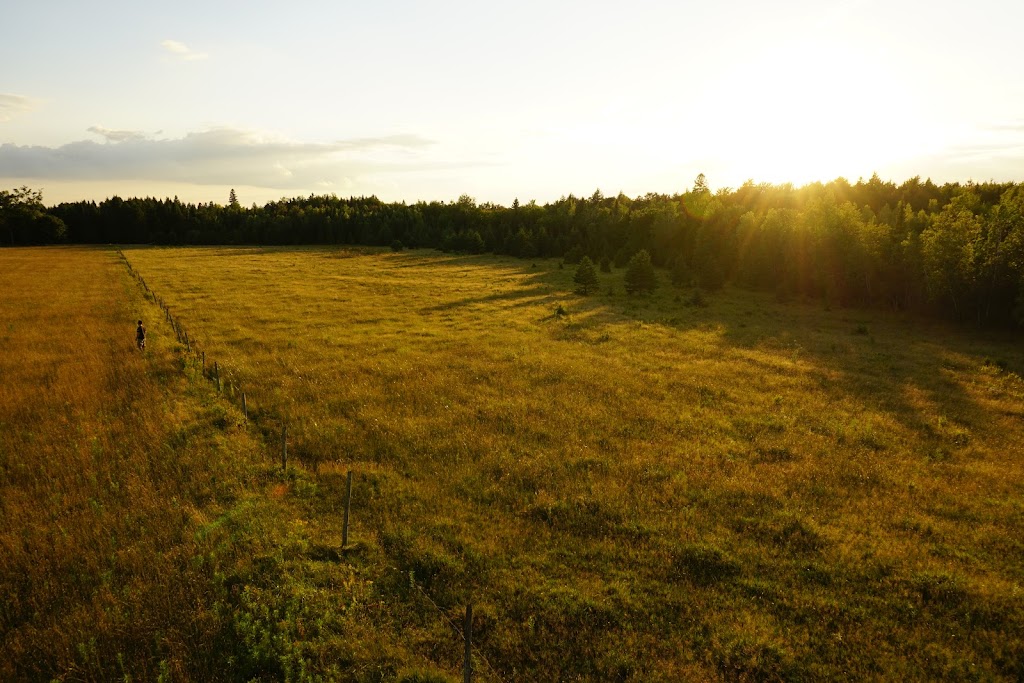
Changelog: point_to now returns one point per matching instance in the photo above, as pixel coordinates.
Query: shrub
(586, 277)
(397, 245)
(640, 275)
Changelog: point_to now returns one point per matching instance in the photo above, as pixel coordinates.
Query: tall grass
(640, 489)
(113, 467)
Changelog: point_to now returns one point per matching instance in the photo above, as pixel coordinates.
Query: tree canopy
(954, 250)
(24, 220)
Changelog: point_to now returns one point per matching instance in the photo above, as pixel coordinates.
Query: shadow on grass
(879, 358)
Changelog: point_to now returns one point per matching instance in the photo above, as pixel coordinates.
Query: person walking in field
(140, 337)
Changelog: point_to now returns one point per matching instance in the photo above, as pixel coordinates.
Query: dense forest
(955, 250)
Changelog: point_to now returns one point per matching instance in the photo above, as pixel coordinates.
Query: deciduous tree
(23, 219)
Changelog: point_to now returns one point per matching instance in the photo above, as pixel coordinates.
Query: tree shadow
(890, 362)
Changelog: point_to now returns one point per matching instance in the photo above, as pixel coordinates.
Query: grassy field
(627, 489)
(109, 474)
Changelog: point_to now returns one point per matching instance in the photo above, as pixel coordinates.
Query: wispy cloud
(395, 141)
(999, 161)
(182, 51)
(11, 105)
(118, 135)
(994, 144)
(216, 157)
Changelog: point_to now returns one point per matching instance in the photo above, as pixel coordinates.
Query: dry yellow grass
(637, 490)
(109, 469)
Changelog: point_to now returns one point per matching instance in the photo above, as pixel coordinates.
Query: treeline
(956, 249)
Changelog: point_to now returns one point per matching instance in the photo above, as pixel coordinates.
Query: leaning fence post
(216, 374)
(284, 448)
(348, 506)
(467, 661)
(245, 410)
(204, 362)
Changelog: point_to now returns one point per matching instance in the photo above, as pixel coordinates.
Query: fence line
(181, 334)
(192, 349)
(455, 627)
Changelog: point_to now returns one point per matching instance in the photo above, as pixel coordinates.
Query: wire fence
(211, 369)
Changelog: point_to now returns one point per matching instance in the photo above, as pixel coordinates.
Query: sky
(415, 101)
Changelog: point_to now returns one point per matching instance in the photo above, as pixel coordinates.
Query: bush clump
(586, 277)
(640, 275)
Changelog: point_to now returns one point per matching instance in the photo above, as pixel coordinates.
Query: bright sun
(814, 112)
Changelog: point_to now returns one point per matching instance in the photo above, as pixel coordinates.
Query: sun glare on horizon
(814, 111)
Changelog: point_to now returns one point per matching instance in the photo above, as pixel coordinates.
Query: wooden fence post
(467, 660)
(348, 506)
(245, 410)
(284, 448)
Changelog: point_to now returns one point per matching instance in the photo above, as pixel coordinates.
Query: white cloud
(219, 156)
(11, 105)
(117, 135)
(182, 51)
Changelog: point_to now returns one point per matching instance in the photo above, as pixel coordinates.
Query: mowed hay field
(636, 489)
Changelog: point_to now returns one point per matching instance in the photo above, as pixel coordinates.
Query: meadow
(120, 474)
(679, 487)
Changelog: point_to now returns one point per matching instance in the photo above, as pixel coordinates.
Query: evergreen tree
(586, 276)
(954, 249)
(640, 275)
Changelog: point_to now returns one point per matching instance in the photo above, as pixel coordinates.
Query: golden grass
(107, 471)
(637, 490)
